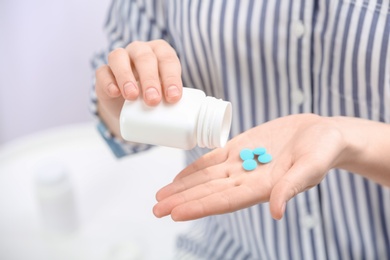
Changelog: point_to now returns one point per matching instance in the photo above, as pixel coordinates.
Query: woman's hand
(304, 147)
(151, 69)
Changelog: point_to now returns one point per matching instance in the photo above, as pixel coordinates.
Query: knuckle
(170, 79)
(143, 56)
(164, 50)
(135, 45)
(169, 59)
(101, 71)
(295, 188)
(122, 73)
(139, 50)
(160, 42)
(115, 53)
(167, 54)
(150, 81)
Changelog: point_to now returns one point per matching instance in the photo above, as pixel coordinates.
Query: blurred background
(45, 50)
(63, 195)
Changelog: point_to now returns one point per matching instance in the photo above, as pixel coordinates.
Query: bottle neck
(214, 120)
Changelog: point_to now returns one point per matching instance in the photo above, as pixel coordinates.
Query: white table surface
(114, 198)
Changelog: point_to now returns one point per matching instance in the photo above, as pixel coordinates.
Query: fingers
(165, 207)
(224, 201)
(203, 176)
(158, 69)
(300, 177)
(205, 193)
(110, 98)
(206, 168)
(145, 63)
(215, 196)
(106, 86)
(153, 64)
(119, 63)
(216, 156)
(169, 69)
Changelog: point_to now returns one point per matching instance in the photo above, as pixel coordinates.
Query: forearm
(367, 149)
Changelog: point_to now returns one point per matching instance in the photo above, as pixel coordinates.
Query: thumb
(300, 177)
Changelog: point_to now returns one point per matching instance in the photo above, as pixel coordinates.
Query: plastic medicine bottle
(196, 119)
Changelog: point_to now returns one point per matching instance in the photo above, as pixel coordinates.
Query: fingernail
(173, 91)
(151, 94)
(130, 89)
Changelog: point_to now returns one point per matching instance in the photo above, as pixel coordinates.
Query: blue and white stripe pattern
(271, 59)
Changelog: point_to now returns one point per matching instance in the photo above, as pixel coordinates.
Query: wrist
(354, 141)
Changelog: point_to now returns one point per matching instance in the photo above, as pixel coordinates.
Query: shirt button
(297, 97)
(308, 222)
(299, 29)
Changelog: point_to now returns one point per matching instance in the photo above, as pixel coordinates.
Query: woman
(308, 80)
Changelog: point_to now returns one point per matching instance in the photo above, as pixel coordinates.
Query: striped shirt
(272, 59)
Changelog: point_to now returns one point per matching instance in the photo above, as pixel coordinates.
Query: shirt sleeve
(127, 21)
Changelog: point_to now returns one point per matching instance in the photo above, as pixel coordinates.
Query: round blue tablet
(265, 158)
(259, 151)
(246, 154)
(249, 165)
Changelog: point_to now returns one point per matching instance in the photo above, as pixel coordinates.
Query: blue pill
(246, 154)
(259, 151)
(249, 165)
(265, 158)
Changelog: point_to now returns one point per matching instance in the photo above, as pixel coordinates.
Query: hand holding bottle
(151, 69)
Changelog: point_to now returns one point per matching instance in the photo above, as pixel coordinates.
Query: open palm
(304, 147)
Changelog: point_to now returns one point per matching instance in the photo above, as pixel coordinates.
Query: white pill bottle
(196, 120)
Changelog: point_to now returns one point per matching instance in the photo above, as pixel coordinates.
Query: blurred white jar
(55, 198)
